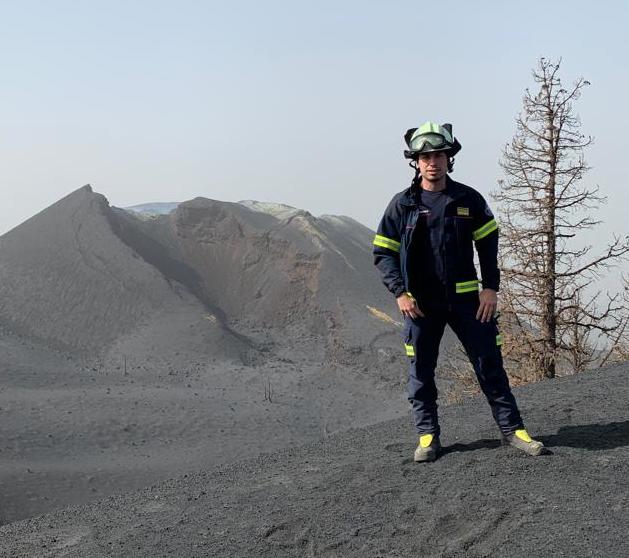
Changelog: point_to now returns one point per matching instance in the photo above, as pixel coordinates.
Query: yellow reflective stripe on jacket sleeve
(486, 229)
(410, 351)
(385, 242)
(498, 340)
(467, 286)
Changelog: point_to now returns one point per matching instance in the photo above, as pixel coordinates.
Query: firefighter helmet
(431, 137)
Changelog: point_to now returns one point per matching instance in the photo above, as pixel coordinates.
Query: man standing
(424, 251)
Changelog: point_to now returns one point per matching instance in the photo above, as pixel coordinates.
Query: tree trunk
(550, 318)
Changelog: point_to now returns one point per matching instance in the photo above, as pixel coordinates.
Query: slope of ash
(67, 280)
(360, 494)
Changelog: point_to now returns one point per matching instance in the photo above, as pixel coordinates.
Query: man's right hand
(408, 306)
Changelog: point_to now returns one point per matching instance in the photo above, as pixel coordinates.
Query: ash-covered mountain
(256, 280)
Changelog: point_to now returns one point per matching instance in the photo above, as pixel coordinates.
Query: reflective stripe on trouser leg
(480, 343)
(423, 336)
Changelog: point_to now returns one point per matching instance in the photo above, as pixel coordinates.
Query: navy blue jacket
(467, 221)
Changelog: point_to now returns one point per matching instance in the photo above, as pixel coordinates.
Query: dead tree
(548, 300)
(618, 350)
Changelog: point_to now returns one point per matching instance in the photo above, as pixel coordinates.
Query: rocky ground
(359, 493)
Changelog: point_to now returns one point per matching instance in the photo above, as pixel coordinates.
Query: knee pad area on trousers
(491, 374)
(420, 391)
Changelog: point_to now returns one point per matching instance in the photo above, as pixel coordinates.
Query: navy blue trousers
(481, 343)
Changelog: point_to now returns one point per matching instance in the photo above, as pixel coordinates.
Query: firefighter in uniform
(424, 249)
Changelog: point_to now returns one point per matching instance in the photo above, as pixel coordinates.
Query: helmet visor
(435, 141)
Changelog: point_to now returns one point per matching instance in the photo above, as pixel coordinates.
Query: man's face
(433, 166)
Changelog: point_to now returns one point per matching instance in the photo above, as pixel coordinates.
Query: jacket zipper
(445, 259)
(408, 249)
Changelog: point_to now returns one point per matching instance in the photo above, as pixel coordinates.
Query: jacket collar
(411, 195)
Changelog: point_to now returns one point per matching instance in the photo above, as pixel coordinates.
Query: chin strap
(413, 165)
(416, 179)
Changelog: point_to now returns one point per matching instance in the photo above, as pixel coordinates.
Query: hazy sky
(303, 103)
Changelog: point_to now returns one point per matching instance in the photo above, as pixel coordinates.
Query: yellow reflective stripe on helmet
(486, 229)
(385, 242)
(467, 286)
(498, 340)
(410, 350)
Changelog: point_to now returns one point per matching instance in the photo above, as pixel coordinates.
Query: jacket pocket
(463, 227)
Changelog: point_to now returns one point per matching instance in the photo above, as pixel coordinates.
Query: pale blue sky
(303, 103)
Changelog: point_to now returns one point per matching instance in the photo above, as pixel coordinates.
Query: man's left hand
(488, 303)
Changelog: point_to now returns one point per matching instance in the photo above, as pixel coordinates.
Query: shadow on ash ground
(360, 494)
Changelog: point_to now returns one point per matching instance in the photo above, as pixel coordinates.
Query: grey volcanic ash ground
(359, 493)
(229, 348)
